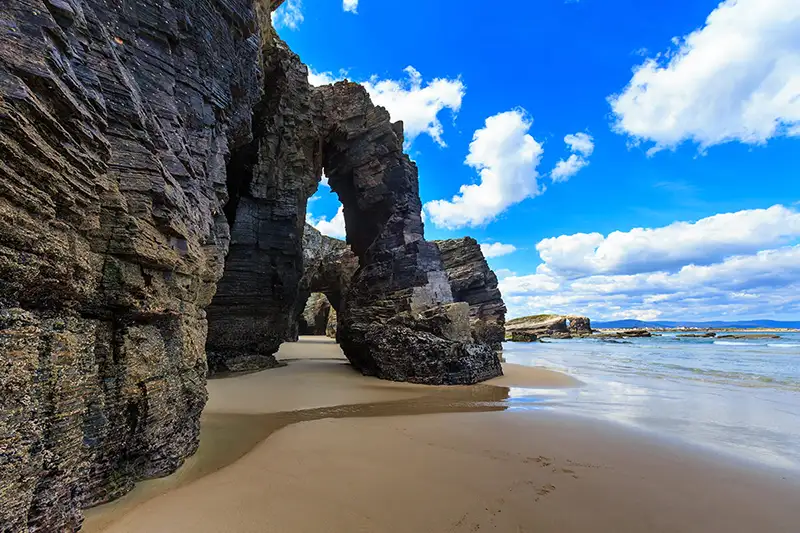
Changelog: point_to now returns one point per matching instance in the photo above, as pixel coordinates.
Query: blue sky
(677, 194)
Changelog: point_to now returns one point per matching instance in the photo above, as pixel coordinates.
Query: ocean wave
(784, 345)
(731, 343)
(731, 377)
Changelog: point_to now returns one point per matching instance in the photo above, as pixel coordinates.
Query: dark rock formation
(314, 320)
(138, 140)
(555, 326)
(472, 281)
(330, 330)
(522, 336)
(380, 324)
(269, 181)
(115, 126)
(750, 337)
(579, 326)
(625, 333)
(697, 335)
(328, 266)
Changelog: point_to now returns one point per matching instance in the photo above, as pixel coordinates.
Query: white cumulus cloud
(334, 227)
(735, 79)
(645, 249)
(351, 6)
(582, 146)
(732, 265)
(580, 143)
(506, 157)
(497, 249)
(416, 102)
(289, 15)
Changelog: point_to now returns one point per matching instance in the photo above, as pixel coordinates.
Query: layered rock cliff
(116, 122)
(269, 181)
(530, 328)
(155, 163)
(315, 317)
(473, 282)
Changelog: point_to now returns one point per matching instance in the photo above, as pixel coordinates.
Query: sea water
(739, 397)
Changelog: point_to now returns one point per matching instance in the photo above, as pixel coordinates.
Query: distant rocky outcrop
(522, 336)
(315, 317)
(328, 268)
(749, 337)
(553, 326)
(624, 334)
(697, 335)
(473, 282)
(330, 330)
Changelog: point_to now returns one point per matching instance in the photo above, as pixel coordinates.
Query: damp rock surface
(116, 121)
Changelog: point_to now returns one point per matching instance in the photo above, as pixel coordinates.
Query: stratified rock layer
(138, 140)
(328, 266)
(115, 125)
(314, 320)
(473, 282)
(382, 324)
(556, 326)
(330, 330)
(270, 181)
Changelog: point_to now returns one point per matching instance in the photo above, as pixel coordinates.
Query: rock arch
(155, 164)
(398, 319)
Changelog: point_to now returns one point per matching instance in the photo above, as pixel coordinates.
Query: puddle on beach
(225, 438)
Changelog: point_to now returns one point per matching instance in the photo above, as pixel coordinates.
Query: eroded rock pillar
(398, 320)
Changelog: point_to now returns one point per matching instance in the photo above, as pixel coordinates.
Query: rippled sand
(314, 447)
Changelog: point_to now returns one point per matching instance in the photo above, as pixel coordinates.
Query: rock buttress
(328, 268)
(314, 320)
(473, 282)
(398, 320)
(116, 121)
(270, 181)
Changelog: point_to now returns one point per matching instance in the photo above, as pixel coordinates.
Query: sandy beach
(314, 446)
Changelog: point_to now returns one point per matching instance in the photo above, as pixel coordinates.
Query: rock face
(314, 320)
(381, 326)
(269, 182)
(328, 267)
(330, 330)
(579, 326)
(156, 156)
(554, 326)
(522, 336)
(115, 126)
(624, 334)
(472, 281)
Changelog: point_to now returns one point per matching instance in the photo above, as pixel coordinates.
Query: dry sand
(354, 459)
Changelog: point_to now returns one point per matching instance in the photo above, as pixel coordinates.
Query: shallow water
(740, 397)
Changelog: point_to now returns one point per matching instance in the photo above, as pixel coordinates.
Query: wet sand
(314, 446)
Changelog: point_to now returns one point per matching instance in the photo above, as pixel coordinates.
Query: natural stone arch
(315, 316)
(328, 267)
(398, 320)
